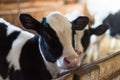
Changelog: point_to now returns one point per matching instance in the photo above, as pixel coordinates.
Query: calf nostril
(67, 60)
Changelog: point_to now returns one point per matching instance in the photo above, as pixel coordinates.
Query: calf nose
(72, 61)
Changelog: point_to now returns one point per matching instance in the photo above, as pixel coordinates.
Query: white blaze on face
(62, 27)
(78, 37)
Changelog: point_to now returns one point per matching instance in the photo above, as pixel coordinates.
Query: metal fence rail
(107, 68)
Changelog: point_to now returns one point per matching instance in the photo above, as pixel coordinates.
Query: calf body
(104, 12)
(83, 35)
(25, 56)
(16, 54)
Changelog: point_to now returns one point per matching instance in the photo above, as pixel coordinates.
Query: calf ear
(100, 29)
(29, 22)
(80, 23)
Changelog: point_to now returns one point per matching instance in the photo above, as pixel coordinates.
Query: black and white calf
(78, 33)
(25, 56)
(83, 35)
(107, 13)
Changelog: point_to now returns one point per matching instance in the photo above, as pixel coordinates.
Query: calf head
(79, 26)
(55, 33)
(101, 29)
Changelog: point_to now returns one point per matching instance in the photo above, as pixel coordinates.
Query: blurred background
(10, 9)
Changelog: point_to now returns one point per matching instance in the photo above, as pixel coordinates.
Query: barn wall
(37, 8)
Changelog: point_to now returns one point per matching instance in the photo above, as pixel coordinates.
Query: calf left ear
(80, 23)
(101, 29)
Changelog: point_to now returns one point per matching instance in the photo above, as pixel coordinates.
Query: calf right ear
(101, 29)
(29, 22)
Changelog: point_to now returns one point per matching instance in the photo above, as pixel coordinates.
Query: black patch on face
(5, 46)
(114, 23)
(73, 38)
(50, 44)
(32, 63)
(85, 41)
